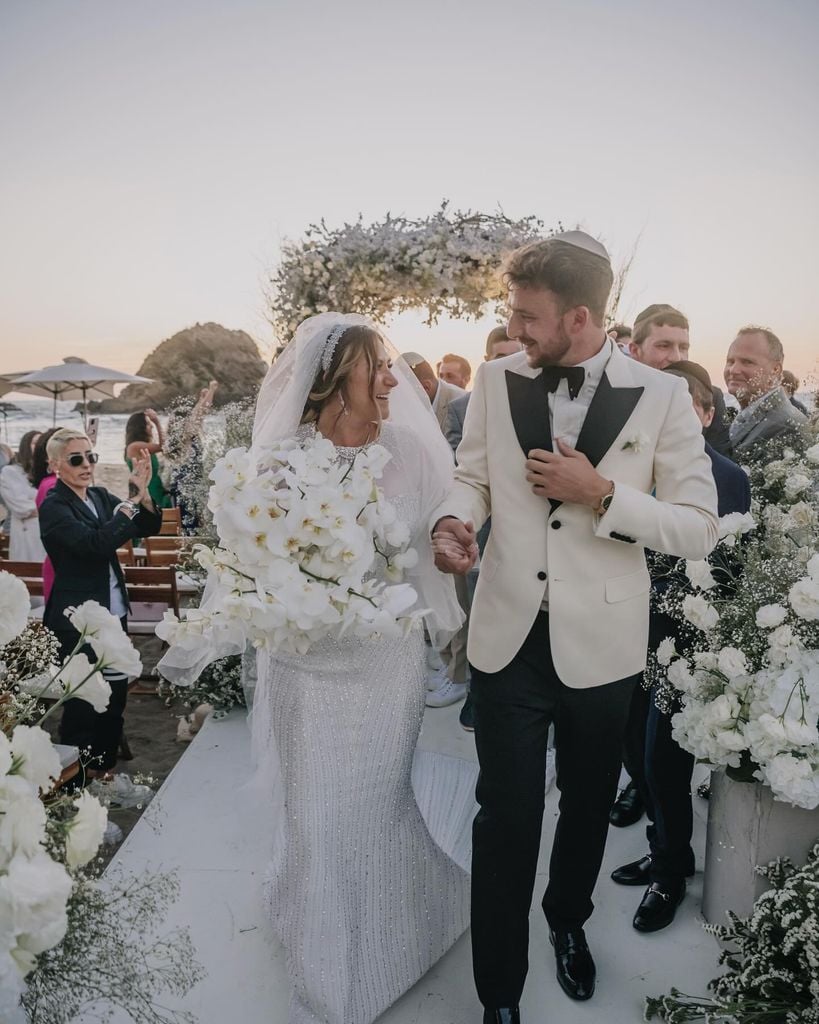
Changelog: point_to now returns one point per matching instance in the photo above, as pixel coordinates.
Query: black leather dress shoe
(637, 872)
(658, 906)
(576, 972)
(627, 808)
(506, 1015)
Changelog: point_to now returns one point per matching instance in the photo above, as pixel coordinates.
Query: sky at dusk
(155, 154)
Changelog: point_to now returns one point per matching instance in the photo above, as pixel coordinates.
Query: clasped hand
(568, 476)
(454, 546)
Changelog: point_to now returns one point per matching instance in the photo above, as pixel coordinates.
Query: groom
(584, 457)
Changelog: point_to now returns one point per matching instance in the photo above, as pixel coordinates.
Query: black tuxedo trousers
(514, 709)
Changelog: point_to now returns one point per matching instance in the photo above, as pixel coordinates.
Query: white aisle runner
(207, 826)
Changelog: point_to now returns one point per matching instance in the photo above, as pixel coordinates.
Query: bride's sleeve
(432, 478)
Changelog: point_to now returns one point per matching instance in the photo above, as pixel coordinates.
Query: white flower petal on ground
(14, 607)
(85, 830)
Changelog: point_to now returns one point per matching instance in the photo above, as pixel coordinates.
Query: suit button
(555, 524)
(541, 575)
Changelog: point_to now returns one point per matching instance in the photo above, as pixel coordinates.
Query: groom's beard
(549, 352)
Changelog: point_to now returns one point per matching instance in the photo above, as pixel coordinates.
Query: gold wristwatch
(605, 501)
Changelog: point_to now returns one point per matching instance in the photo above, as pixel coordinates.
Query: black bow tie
(575, 375)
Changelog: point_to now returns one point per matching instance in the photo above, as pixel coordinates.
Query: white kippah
(583, 241)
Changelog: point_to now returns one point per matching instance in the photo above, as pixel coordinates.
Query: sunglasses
(78, 458)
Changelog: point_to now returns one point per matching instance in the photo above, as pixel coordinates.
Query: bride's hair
(357, 342)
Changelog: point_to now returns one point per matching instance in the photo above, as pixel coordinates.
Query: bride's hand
(454, 546)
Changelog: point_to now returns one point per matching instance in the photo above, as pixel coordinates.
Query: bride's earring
(343, 404)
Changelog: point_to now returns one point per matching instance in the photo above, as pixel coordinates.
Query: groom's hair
(575, 275)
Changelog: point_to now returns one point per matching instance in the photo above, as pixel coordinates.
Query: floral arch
(445, 263)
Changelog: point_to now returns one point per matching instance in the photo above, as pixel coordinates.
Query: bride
(362, 898)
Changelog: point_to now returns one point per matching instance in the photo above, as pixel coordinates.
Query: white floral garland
(446, 263)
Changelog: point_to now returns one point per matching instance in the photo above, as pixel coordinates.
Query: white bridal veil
(421, 465)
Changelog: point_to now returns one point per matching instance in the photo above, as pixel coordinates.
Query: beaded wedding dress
(362, 897)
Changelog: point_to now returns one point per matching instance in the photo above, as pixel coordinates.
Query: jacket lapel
(608, 413)
(530, 411)
(75, 501)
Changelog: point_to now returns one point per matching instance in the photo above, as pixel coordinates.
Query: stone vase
(746, 828)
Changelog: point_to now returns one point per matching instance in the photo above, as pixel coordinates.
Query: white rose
(699, 612)
(736, 523)
(793, 779)
(85, 831)
(40, 763)
(699, 574)
(680, 677)
(796, 484)
(666, 651)
(802, 515)
(804, 599)
(732, 662)
(813, 564)
(812, 455)
(769, 616)
(14, 607)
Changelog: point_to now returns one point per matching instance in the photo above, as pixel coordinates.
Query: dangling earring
(345, 411)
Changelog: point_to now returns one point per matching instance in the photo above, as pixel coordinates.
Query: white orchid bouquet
(748, 663)
(308, 547)
(45, 838)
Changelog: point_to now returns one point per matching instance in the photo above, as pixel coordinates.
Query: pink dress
(48, 570)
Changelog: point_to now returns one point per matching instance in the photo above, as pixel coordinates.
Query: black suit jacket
(733, 486)
(718, 435)
(82, 547)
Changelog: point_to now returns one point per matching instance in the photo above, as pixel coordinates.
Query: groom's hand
(454, 545)
(568, 476)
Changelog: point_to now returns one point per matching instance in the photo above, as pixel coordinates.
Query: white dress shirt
(566, 415)
(118, 606)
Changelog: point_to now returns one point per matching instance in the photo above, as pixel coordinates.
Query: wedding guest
(82, 526)
(6, 458)
(143, 432)
(439, 392)
(660, 337)
(621, 336)
(498, 345)
(19, 496)
(43, 478)
(668, 768)
(790, 382)
(753, 373)
(455, 370)
(584, 459)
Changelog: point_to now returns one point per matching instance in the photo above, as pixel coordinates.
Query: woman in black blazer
(81, 527)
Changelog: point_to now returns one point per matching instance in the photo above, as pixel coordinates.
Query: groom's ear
(577, 319)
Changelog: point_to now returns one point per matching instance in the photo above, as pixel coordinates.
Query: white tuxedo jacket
(598, 584)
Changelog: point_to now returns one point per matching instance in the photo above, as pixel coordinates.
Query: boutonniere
(635, 444)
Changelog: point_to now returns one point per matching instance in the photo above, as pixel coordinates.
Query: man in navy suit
(667, 767)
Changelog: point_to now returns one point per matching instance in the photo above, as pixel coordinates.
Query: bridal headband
(333, 338)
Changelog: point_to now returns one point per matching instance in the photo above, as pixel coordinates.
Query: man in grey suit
(766, 422)
(498, 345)
(439, 392)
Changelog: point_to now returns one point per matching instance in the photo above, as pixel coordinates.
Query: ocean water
(37, 414)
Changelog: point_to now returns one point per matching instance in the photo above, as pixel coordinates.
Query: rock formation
(183, 364)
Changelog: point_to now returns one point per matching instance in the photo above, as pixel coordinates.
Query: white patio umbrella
(6, 384)
(75, 380)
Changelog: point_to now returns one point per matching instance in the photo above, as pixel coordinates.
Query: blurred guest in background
(621, 336)
(43, 478)
(455, 370)
(439, 392)
(753, 373)
(143, 432)
(19, 498)
(790, 382)
(82, 526)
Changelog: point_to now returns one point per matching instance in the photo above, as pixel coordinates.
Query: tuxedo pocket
(621, 588)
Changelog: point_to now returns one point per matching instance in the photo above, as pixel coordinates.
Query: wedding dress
(360, 895)
(364, 891)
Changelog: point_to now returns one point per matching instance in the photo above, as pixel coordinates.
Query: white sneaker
(434, 661)
(441, 691)
(121, 791)
(551, 768)
(112, 834)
